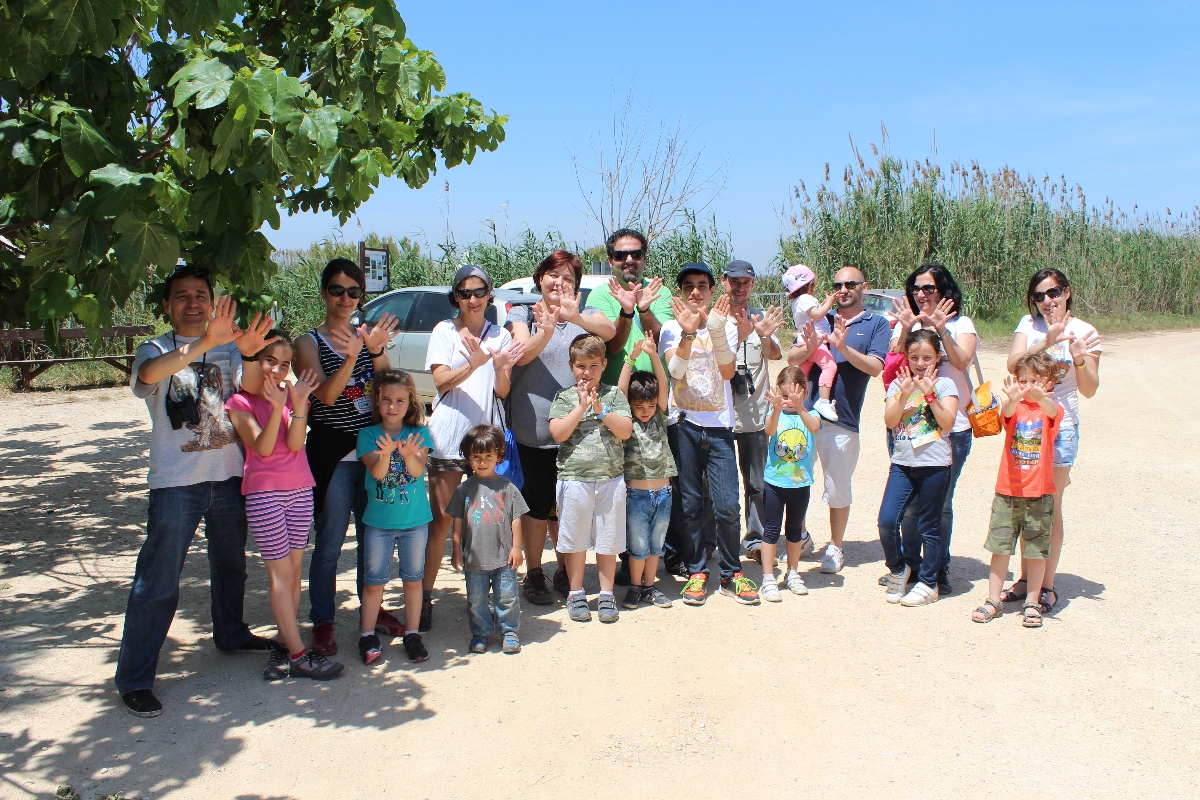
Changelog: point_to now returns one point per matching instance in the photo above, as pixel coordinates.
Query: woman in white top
(935, 301)
(471, 361)
(1075, 347)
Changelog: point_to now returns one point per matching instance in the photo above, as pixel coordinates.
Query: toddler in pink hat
(799, 282)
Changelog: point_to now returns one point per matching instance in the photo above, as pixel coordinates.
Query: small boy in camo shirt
(591, 421)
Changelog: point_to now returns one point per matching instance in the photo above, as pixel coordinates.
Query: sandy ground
(836, 693)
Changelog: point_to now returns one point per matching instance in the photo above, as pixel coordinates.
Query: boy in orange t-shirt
(1024, 503)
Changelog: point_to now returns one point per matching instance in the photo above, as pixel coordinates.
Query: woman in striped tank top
(344, 360)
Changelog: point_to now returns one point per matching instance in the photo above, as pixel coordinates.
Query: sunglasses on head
(337, 290)
(1054, 292)
(467, 294)
(622, 255)
(925, 288)
(837, 287)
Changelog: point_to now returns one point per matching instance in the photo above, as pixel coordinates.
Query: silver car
(419, 309)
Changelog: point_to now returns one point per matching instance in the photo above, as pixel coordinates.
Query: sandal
(1044, 606)
(1031, 615)
(987, 612)
(1010, 594)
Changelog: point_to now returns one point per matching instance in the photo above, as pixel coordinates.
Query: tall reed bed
(994, 230)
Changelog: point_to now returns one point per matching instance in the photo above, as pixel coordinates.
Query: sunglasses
(337, 290)
(1054, 292)
(850, 285)
(622, 255)
(925, 288)
(467, 294)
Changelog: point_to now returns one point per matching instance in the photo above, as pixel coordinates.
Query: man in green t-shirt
(633, 303)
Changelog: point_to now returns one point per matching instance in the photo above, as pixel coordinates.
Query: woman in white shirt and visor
(935, 301)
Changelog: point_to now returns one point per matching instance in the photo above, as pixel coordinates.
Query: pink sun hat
(797, 276)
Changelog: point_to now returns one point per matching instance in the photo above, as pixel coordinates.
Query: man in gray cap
(757, 344)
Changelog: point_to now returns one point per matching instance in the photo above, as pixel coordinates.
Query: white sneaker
(920, 595)
(824, 408)
(795, 583)
(896, 583)
(770, 592)
(806, 543)
(833, 560)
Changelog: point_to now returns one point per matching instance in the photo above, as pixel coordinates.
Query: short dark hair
(344, 266)
(1042, 274)
(559, 258)
(643, 387)
(946, 285)
(926, 335)
(188, 271)
(483, 439)
(620, 233)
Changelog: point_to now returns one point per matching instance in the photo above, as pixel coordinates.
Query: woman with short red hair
(546, 329)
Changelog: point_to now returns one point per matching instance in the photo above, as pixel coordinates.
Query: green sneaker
(740, 588)
(693, 591)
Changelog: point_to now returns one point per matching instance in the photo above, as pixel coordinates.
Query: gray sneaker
(632, 597)
(651, 594)
(770, 592)
(512, 645)
(319, 668)
(883, 579)
(606, 608)
(277, 665)
(806, 543)
(578, 609)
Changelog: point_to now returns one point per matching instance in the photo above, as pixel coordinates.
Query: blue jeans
(501, 583)
(673, 545)
(960, 448)
(647, 515)
(174, 515)
(924, 488)
(378, 544)
(708, 453)
(346, 495)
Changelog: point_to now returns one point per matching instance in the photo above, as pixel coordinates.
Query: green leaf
(86, 20)
(84, 147)
(143, 241)
(320, 126)
(40, 189)
(87, 311)
(263, 208)
(219, 206)
(30, 58)
(206, 78)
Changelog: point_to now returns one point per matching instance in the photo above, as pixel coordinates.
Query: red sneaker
(694, 590)
(386, 623)
(323, 643)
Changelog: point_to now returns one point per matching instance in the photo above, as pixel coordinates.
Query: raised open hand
(276, 394)
(544, 318)
(837, 337)
(1081, 346)
(719, 313)
(409, 446)
(689, 318)
(745, 325)
(475, 353)
(385, 445)
(382, 333)
(940, 315)
(505, 358)
(904, 378)
(775, 398)
(254, 338)
(766, 324)
(1056, 325)
(346, 340)
(903, 313)
(568, 307)
(648, 294)
(1037, 391)
(649, 346)
(306, 383)
(812, 340)
(626, 297)
(926, 382)
(222, 328)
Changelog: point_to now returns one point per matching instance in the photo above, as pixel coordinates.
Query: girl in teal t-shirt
(394, 451)
(786, 478)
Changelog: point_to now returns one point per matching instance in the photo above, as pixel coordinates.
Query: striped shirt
(351, 412)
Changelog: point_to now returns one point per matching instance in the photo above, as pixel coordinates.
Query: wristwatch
(603, 412)
(688, 336)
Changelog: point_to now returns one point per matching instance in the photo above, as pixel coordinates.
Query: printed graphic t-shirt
(592, 452)
(284, 469)
(487, 509)
(1066, 392)
(956, 327)
(703, 395)
(790, 454)
(208, 450)
(647, 455)
(1027, 463)
(399, 501)
(918, 437)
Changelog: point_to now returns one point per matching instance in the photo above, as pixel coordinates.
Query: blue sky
(1106, 94)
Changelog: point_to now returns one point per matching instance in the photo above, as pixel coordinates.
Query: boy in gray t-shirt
(487, 510)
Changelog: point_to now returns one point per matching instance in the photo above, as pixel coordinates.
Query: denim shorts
(647, 515)
(378, 545)
(1066, 445)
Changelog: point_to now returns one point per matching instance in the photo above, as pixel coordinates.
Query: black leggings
(775, 500)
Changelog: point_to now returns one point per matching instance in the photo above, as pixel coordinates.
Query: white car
(419, 309)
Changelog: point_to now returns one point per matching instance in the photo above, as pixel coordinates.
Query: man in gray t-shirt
(195, 474)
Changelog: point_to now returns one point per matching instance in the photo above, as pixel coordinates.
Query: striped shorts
(280, 521)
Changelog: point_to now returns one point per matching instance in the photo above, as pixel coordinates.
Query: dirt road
(835, 694)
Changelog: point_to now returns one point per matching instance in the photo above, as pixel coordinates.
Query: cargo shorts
(1013, 518)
